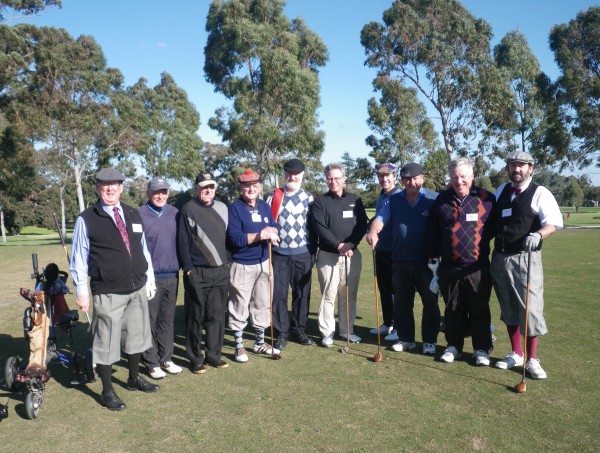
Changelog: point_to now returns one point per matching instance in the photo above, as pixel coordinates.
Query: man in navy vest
(109, 247)
(526, 214)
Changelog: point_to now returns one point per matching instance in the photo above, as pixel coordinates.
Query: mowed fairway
(317, 399)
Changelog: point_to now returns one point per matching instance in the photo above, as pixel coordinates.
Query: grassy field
(316, 399)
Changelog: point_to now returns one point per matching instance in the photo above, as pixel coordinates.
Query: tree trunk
(77, 172)
(2, 225)
(63, 223)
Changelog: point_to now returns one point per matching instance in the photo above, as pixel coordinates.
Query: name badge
(136, 228)
(348, 214)
(507, 212)
(256, 217)
(472, 217)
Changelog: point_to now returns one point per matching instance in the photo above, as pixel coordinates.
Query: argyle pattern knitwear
(292, 219)
(122, 228)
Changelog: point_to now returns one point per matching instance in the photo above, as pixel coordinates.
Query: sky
(143, 38)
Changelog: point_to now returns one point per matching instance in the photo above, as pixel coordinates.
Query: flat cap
(411, 170)
(158, 183)
(294, 166)
(109, 175)
(205, 179)
(249, 176)
(385, 169)
(520, 156)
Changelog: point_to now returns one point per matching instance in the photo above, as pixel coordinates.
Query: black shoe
(112, 402)
(199, 368)
(303, 339)
(281, 342)
(219, 364)
(141, 384)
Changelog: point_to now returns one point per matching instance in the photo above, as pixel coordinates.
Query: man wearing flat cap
(109, 247)
(407, 212)
(201, 243)
(386, 176)
(527, 214)
(292, 257)
(251, 227)
(160, 229)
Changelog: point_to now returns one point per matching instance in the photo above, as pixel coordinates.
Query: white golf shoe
(383, 329)
(482, 358)
(450, 354)
(327, 341)
(392, 336)
(403, 346)
(535, 370)
(511, 360)
(428, 348)
(353, 338)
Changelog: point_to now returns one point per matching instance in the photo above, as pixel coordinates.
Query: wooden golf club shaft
(522, 386)
(347, 305)
(271, 300)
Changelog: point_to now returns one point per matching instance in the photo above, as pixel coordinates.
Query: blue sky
(143, 38)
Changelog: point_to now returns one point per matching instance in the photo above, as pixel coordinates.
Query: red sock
(532, 343)
(515, 339)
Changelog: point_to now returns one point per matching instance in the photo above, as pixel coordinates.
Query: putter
(273, 355)
(521, 387)
(377, 357)
(64, 244)
(346, 348)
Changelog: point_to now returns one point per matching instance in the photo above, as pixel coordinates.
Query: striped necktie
(122, 228)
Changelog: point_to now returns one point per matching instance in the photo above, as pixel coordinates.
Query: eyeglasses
(334, 179)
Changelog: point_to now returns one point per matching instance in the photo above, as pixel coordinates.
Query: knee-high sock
(104, 372)
(515, 339)
(134, 365)
(532, 343)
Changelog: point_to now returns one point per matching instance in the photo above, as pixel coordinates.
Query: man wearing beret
(408, 213)
(109, 247)
(160, 230)
(340, 222)
(386, 176)
(292, 257)
(201, 243)
(251, 227)
(527, 214)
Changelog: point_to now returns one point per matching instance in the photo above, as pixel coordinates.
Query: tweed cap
(520, 156)
(385, 169)
(411, 170)
(249, 176)
(158, 183)
(109, 175)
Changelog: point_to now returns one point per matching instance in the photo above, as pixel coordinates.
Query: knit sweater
(160, 229)
(201, 234)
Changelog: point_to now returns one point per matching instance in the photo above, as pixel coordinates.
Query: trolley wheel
(33, 402)
(88, 365)
(11, 368)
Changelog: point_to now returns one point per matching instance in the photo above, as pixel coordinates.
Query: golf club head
(4, 411)
(345, 350)
(276, 356)
(377, 357)
(521, 387)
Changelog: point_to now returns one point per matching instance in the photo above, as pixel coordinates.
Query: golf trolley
(47, 310)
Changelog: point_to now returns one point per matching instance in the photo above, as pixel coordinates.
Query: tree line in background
(64, 113)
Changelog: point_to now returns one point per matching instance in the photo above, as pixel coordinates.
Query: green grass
(321, 400)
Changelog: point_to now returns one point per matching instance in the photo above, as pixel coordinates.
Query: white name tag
(472, 217)
(348, 214)
(136, 228)
(256, 217)
(507, 212)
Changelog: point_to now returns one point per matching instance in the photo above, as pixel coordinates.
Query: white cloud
(161, 45)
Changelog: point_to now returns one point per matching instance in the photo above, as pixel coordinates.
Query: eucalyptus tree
(161, 124)
(576, 48)
(11, 10)
(268, 67)
(60, 97)
(402, 130)
(444, 52)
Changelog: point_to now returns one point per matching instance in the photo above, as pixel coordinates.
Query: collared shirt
(409, 224)
(543, 204)
(385, 242)
(81, 248)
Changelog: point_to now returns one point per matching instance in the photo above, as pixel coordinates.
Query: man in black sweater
(201, 244)
(340, 221)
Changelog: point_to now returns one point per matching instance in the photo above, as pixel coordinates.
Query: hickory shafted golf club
(346, 348)
(521, 387)
(274, 356)
(62, 240)
(377, 357)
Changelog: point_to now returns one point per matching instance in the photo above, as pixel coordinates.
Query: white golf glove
(434, 286)
(150, 290)
(532, 242)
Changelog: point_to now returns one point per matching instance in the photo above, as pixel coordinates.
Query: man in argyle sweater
(293, 256)
(461, 226)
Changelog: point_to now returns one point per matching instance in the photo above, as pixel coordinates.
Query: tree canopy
(268, 66)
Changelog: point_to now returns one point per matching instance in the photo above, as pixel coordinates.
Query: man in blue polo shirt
(408, 212)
